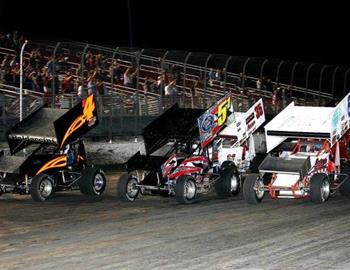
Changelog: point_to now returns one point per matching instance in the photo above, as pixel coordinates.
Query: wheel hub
(190, 190)
(98, 182)
(45, 188)
(258, 191)
(131, 188)
(234, 183)
(325, 190)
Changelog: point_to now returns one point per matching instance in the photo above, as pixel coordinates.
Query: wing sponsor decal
(251, 121)
(208, 123)
(340, 119)
(212, 121)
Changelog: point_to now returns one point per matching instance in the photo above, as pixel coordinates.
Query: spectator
(115, 71)
(13, 62)
(100, 86)
(134, 77)
(15, 73)
(8, 76)
(258, 84)
(47, 80)
(175, 72)
(80, 93)
(174, 90)
(33, 76)
(160, 84)
(67, 83)
(32, 61)
(170, 89)
(5, 62)
(211, 76)
(89, 60)
(127, 78)
(146, 85)
(104, 63)
(64, 65)
(91, 84)
(218, 75)
(49, 65)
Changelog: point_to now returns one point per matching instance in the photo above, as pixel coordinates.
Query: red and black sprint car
(179, 160)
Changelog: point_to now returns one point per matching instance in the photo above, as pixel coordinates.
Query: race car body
(47, 154)
(308, 149)
(189, 165)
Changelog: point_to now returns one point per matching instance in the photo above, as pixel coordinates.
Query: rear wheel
(41, 187)
(92, 182)
(345, 187)
(255, 163)
(185, 189)
(127, 188)
(252, 192)
(320, 188)
(228, 183)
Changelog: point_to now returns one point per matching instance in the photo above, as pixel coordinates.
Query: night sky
(296, 30)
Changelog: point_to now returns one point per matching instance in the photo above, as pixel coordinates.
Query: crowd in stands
(45, 74)
(42, 74)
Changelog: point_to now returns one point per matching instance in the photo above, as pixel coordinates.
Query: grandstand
(130, 83)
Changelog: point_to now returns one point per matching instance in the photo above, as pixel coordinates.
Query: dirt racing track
(72, 231)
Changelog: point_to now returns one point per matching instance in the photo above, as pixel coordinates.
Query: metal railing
(125, 110)
(156, 61)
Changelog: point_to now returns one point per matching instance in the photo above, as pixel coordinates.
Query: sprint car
(308, 155)
(47, 153)
(186, 153)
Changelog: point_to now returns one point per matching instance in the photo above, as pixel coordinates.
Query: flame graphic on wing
(88, 114)
(60, 161)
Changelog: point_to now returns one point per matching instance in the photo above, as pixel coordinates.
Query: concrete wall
(116, 152)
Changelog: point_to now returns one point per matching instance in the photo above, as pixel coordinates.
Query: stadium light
(21, 82)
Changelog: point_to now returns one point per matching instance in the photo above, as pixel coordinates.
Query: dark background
(297, 30)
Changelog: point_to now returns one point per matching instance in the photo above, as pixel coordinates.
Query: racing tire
(127, 189)
(228, 183)
(320, 188)
(255, 163)
(92, 182)
(41, 187)
(344, 189)
(185, 189)
(250, 194)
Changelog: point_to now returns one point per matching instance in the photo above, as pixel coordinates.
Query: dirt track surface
(72, 231)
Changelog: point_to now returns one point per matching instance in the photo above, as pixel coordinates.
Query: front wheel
(228, 183)
(41, 187)
(92, 182)
(185, 189)
(127, 188)
(320, 188)
(252, 192)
